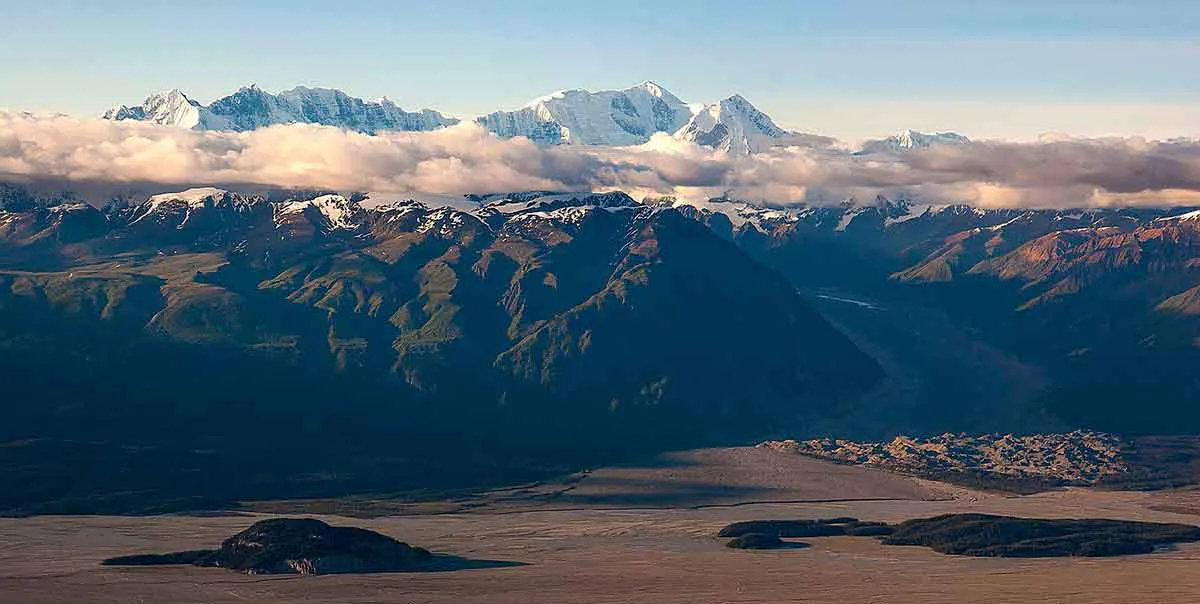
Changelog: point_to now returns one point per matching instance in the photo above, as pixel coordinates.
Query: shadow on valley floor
(719, 477)
(636, 492)
(941, 376)
(449, 563)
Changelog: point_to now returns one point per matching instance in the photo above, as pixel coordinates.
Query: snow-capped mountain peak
(251, 107)
(654, 89)
(909, 139)
(581, 117)
(169, 108)
(734, 125)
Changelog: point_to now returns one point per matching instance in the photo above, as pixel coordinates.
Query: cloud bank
(466, 159)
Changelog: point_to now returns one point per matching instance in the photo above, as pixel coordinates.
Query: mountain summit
(605, 117)
(732, 125)
(251, 107)
(909, 139)
(170, 108)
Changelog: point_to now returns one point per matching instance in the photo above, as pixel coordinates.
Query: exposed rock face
(1186, 303)
(311, 547)
(296, 546)
(1077, 457)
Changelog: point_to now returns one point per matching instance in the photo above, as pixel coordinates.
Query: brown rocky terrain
(1078, 457)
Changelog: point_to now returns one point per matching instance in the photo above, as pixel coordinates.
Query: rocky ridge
(1079, 457)
(304, 546)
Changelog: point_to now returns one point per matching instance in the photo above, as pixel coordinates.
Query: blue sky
(848, 69)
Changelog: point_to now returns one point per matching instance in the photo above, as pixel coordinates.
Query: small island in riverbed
(1002, 536)
(296, 546)
(792, 529)
(756, 541)
(980, 535)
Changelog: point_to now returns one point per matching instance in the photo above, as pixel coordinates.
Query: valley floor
(634, 534)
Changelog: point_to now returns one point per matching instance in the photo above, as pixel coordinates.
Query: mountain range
(251, 107)
(325, 342)
(571, 117)
(331, 342)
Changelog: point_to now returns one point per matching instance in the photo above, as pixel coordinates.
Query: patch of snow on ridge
(520, 203)
(848, 216)
(573, 215)
(1194, 215)
(378, 199)
(446, 222)
(914, 212)
(189, 199)
(67, 208)
(193, 197)
(341, 213)
(740, 212)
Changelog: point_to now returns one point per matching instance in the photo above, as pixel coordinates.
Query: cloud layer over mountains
(466, 158)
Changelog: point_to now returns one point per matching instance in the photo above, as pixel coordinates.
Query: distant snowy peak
(171, 108)
(732, 125)
(911, 139)
(581, 117)
(251, 107)
(631, 116)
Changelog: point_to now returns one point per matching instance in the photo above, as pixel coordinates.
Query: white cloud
(466, 158)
